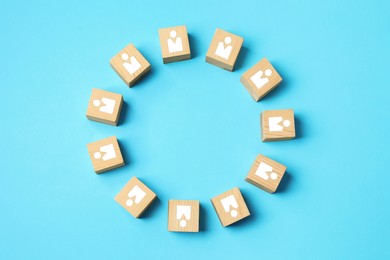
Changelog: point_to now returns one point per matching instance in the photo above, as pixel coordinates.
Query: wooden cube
(266, 173)
(277, 125)
(224, 49)
(230, 207)
(135, 197)
(183, 215)
(174, 44)
(105, 154)
(260, 79)
(104, 107)
(130, 65)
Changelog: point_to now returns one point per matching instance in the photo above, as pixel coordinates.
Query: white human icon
(227, 203)
(222, 51)
(107, 152)
(258, 78)
(135, 196)
(174, 43)
(183, 211)
(265, 171)
(131, 64)
(107, 107)
(274, 123)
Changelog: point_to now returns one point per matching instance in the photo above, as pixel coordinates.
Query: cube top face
(277, 125)
(174, 44)
(266, 173)
(183, 215)
(135, 197)
(224, 49)
(130, 64)
(105, 154)
(230, 207)
(104, 107)
(261, 79)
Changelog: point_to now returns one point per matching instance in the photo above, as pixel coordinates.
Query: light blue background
(190, 130)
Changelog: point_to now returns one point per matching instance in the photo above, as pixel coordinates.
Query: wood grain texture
(219, 37)
(132, 200)
(181, 33)
(117, 63)
(100, 165)
(271, 181)
(178, 221)
(273, 80)
(287, 132)
(94, 112)
(230, 214)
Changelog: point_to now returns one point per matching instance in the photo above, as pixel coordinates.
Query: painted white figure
(274, 125)
(227, 203)
(265, 171)
(258, 78)
(222, 51)
(107, 106)
(106, 153)
(135, 196)
(174, 43)
(131, 64)
(183, 211)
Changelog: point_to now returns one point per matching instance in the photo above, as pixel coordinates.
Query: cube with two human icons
(230, 207)
(105, 154)
(266, 173)
(135, 197)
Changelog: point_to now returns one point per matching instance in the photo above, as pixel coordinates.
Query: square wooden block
(277, 125)
(130, 65)
(183, 215)
(105, 154)
(104, 107)
(174, 44)
(261, 79)
(224, 49)
(230, 207)
(266, 173)
(135, 197)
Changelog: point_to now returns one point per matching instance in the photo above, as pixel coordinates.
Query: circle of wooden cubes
(265, 173)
